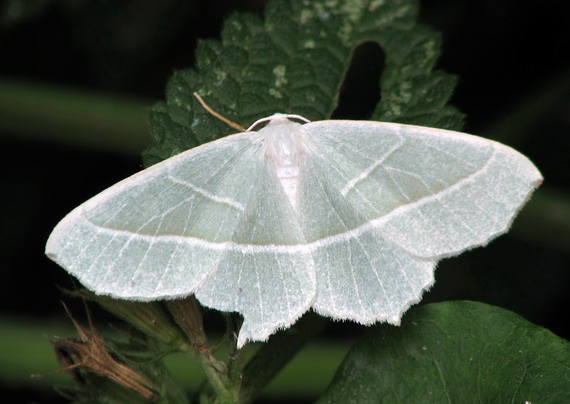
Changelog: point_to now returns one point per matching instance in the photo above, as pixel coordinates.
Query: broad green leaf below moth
(347, 218)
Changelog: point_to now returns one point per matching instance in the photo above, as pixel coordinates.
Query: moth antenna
(220, 117)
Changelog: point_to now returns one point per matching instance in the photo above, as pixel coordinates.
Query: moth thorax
(284, 153)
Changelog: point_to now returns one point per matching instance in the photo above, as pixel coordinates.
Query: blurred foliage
(13, 12)
(73, 117)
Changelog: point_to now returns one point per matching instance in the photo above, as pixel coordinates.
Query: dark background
(512, 59)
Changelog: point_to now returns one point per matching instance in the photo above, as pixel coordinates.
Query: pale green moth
(348, 218)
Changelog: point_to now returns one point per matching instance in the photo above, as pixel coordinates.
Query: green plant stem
(187, 314)
(74, 117)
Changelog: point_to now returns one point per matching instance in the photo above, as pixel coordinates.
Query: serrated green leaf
(455, 352)
(294, 61)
